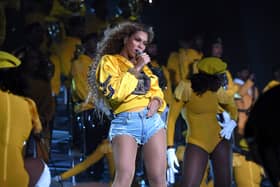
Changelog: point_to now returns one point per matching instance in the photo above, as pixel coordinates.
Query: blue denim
(137, 125)
(164, 114)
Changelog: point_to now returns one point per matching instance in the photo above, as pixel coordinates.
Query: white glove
(172, 159)
(227, 126)
(170, 176)
(226, 117)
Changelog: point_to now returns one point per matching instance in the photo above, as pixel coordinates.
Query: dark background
(250, 30)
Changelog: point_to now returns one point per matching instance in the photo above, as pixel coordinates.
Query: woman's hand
(153, 106)
(142, 60)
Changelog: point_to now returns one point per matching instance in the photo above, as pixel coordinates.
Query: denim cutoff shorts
(137, 125)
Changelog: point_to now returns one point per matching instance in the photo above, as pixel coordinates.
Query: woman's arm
(114, 83)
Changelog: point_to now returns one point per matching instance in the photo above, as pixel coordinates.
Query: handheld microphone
(138, 52)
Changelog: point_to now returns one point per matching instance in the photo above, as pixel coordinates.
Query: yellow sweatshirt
(119, 85)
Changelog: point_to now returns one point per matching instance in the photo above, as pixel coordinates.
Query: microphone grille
(138, 52)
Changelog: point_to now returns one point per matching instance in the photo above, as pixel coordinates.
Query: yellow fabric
(80, 69)
(186, 58)
(55, 81)
(121, 83)
(243, 144)
(80, 107)
(175, 107)
(8, 60)
(104, 149)
(66, 53)
(180, 150)
(246, 173)
(18, 116)
(211, 65)
(179, 64)
(232, 88)
(231, 109)
(203, 127)
(270, 85)
(183, 91)
(154, 64)
(173, 68)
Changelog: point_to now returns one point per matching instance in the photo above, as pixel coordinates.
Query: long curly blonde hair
(112, 43)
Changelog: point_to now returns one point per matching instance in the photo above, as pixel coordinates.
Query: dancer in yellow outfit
(246, 172)
(18, 117)
(80, 91)
(74, 33)
(83, 57)
(80, 69)
(216, 49)
(179, 63)
(121, 77)
(206, 139)
(82, 60)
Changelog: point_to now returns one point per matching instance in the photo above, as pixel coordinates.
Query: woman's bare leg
(155, 159)
(124, 151)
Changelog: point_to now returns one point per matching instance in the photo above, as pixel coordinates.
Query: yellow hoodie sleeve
(115, 84)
